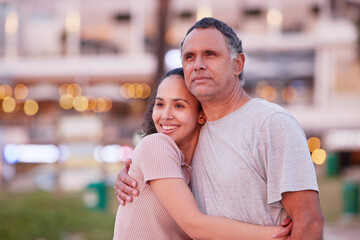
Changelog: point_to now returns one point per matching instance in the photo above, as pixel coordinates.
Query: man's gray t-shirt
(244, 162)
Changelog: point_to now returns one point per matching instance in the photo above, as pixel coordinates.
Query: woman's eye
(179, 106)
(159, 104)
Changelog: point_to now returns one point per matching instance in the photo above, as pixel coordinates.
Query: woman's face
(176, 111)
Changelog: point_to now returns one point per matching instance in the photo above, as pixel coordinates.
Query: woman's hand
(286, 231)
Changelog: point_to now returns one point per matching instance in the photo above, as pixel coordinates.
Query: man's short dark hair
(232, 40)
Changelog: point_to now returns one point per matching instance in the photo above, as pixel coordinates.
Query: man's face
(210, 73)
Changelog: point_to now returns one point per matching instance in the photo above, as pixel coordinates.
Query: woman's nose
(167, 113)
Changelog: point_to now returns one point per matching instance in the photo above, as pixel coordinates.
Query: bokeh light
(172, 58)
(108, 104)
(5, 91)
(80, 103)
(92, 103)
(274, 17)
(62, 89)
(100, 105)
(289, 94)
(124, 90)
(11, 23)
(31, 107)
(66, 101)
(135, 90)
(131, 90)
(203, 12)
(313, 143)
(11, 153)
(268, 93)
(139, 91)
(146, 90)
(2, 92)
(9, 104)
(20, 91)
(74, 89)
(73, 22)
(103, 104)
(319, 156)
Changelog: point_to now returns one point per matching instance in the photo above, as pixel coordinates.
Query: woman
(166, 208)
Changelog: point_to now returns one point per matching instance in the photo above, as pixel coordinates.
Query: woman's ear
(202, 117)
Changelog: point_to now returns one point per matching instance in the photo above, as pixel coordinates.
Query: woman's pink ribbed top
(156, 156)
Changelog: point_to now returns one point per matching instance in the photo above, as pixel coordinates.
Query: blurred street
(338, 232)
(75, 77)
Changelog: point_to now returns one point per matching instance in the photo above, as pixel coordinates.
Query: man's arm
(304, 209)
(125, 187)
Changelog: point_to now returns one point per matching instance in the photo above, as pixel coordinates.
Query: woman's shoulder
(155, 146)
(157, 140)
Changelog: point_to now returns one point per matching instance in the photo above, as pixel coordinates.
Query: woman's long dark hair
(148, 127)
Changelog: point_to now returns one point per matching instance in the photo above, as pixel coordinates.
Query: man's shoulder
(262, 106)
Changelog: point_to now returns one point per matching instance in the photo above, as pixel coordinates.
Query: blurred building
(77, 73)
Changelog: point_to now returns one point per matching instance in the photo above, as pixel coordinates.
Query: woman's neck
(188, 148)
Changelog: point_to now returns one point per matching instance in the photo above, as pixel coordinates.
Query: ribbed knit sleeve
(157, 156)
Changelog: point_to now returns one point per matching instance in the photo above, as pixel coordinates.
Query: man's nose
(199, 64)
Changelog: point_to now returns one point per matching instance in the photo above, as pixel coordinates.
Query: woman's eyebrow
(180, 99)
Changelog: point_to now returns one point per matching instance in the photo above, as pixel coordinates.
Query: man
(251, 162)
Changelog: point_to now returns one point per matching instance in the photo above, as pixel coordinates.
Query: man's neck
(217, 109)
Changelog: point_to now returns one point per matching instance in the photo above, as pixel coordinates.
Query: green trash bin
(95, 196)
(333, 165)
(350, 198)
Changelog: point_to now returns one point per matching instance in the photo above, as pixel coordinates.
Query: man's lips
(200, 79)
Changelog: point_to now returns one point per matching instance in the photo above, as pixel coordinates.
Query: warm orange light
(146, 90)
(62, 89)
(80, 103)
(92, 103)
(5, 91)
(313, 143)
(66, 101)
(108, 104)
(100, 105)
(289, 94)
(124, 90)
(131, 90)
(31, 107)
(8, 104)
(319, 156)
(139, 90)
(268, 93)
(20, 91)
(74, 89)
(2, 92)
